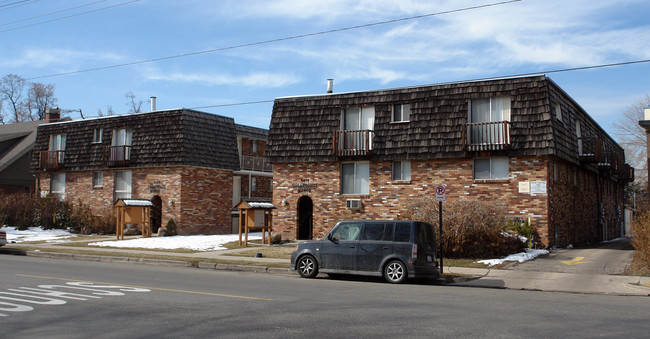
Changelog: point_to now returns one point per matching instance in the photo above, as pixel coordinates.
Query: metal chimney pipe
(153, 104)
(330, 85)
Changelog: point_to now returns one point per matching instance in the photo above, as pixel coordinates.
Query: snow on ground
(190, 242)
(35, 234)
(530, 254)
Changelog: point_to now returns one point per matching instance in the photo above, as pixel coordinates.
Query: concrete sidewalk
(471, 277)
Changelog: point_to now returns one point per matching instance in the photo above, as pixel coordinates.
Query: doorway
(305, 218)
(156, 214)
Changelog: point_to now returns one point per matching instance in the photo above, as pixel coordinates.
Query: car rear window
(402, 232)
(373, 231)
(425, 233)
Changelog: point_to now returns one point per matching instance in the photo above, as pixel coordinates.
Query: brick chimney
(52, 115)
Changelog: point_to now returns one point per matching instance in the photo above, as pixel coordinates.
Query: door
(375, 245)
(156, 214)
(340, 250)
(305, 218)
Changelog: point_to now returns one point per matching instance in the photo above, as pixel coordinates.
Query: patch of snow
(190, 242)
(35, 234)
(530, 254)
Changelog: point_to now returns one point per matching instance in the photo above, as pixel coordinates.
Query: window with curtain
(57, 143)
(494, 168)
(489, 110)
(358, 119)
(121, 137)
(57, 185)
(122, 185)
(98, 179)
(355, 178)
(402, 170)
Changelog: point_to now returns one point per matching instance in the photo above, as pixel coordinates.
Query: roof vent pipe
(153, 104)
(330, 85)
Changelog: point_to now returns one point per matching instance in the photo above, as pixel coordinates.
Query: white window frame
(126, 178)
(505, 112)
(57, 185)
(360, 184)
(98, 134)
(57, 143)
(493, 162)
(402, 170)
(401, 113)
(98, 179)
(558, 111)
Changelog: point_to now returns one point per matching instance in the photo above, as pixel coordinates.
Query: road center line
(151, 288)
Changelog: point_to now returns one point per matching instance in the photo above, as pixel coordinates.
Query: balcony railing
(260, 164)
(486, 136)
(117, 156)
(590, 149)
(51, 160)
(352, 143)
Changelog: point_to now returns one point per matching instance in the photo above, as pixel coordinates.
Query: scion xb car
(396, 250)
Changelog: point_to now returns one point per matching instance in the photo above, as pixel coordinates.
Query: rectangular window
(97, 135)
(57, 144)
(122, 185)
(253, 146)
(495, 168)
(558, 111)
(401, 170)
(121, 142)
(253, 184)
(401, 112)
(98, 179)
(57, 185)
(355, 177)
(490, 109)
(359, 118)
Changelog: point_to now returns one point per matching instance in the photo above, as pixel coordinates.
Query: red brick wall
(261, 148)
(387, 200)
(206, 201)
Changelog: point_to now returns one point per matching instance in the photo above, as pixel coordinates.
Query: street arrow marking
(576, 261)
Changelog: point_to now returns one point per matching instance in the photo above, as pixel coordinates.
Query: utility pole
(646, 124)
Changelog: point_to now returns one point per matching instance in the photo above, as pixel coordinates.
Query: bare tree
(633, 138)
(39, 98)
(134, 106)
(109, 111)
(11, 90)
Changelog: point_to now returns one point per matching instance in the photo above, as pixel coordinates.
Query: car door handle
(386, 248)
(352, 246)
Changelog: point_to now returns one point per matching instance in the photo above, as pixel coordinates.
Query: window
(121, 143)
(98, 179)
(373, 232)
(494, 168)
(490, 109)
(355, 178)
(579, 136)
(122, 185)
(97, 135)
(402, 170)
(253, 146)
(346, 232)
(558, 111)
(253, 184)
(402, 233)
(57, 185)
(57, 144)
(359, 118)
(401, 112)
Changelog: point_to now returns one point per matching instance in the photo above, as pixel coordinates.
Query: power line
(266, 42)
(68, 16)
(51, 13)
(625, 63)
(16, 4)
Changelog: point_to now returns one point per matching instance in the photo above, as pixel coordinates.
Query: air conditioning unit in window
(353, 204)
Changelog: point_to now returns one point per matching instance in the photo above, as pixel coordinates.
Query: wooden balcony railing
(590, 149)
(352, 143)
(51, 160)
(117, 156)
(260, 164)
(486, 136)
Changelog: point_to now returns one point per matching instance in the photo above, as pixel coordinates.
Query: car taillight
(414, 253)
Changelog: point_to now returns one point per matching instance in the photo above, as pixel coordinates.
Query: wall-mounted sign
(156, 186)
(524, 187)
(304, 186)
(538, 187)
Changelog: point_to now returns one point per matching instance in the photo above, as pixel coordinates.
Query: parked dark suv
(396, 250)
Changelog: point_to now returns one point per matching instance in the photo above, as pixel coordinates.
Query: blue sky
(526, 36)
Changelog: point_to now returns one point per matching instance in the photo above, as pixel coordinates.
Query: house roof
(160, 139)
(302, 127)
(19, 139)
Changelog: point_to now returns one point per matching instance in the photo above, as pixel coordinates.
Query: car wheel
(395, 272)
(307, 266)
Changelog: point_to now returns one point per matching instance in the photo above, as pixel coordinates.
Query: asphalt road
(612, 258)
(49, 298)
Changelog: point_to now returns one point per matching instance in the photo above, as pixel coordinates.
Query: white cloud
(42, 58)
(257, 79)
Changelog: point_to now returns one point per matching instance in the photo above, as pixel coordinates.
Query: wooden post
(240, 224)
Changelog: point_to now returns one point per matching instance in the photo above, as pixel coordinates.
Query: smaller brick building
(522, 142)
(193, 166)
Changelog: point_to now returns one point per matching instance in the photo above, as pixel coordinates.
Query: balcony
(590, 149)
(486, 136)
(117, 156)
(352, 143)
(51, 160)
(259, 164)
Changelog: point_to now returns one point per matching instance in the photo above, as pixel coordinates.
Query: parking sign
(441, 193)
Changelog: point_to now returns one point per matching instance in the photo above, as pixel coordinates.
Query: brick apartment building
(519, 141)
(193, 166)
